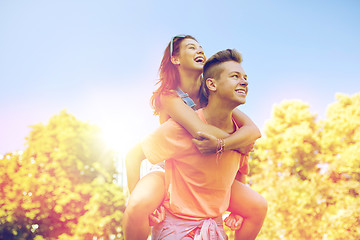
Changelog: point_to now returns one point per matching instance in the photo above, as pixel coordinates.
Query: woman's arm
(188, 118)
(133, 163)
(185, 116)
(246, 135)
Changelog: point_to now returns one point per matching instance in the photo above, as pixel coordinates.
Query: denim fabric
(185, 97)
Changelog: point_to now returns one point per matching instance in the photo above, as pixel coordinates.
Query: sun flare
(122, 133)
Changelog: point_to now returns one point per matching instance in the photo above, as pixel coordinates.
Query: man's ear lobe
(175, 60)
(211, 84)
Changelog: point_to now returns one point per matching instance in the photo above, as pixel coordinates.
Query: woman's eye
(235, 76)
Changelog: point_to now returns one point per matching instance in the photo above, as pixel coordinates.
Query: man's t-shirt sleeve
(244, 164)
(168, 141)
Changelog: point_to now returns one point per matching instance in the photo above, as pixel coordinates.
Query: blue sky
(99, 59)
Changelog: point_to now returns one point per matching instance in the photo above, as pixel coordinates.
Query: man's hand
(157, 216)
(234, 221)
(206, 143)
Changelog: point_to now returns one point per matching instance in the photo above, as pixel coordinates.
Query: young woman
(180, 71)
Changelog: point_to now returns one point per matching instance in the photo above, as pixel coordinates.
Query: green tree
(340, 137)
(290, 143)
(340, 152)
(65, 175)
(309, 171)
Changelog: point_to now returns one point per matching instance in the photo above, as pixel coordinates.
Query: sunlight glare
(118, 135)
(122, 133)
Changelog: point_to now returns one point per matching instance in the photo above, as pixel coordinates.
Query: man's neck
(219, 115)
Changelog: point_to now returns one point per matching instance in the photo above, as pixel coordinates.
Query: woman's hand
(206, 143)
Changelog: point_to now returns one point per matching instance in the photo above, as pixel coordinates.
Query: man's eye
(235, 76)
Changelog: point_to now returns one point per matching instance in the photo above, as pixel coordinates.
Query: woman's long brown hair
(169, 74)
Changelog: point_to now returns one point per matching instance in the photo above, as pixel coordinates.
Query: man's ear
(175, 60)
(211, 84)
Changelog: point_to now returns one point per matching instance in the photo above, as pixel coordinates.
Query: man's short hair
(213, 69)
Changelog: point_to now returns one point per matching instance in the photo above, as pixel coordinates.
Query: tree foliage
(62, 186)
(290, 143)
(308, 171)
(340, 137)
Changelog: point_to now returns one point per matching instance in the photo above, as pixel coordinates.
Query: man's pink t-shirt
(198, 186)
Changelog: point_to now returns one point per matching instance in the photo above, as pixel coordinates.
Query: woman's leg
(251, 206)
(146, 197)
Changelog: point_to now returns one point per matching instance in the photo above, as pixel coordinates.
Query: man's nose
(243, 81)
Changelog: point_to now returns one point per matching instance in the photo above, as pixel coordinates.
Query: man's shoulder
(171, 127)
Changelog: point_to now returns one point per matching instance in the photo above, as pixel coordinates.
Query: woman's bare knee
(148, 194)
(260, 207)
(263, 206)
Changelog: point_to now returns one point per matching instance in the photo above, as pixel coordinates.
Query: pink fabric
(209, 230)
(177, 228)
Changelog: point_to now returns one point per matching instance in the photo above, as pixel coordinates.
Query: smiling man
(198, 186)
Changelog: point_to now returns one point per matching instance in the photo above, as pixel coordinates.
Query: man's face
(232, 84)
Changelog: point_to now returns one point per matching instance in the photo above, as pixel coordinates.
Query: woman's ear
(175, 60)
(211, 84)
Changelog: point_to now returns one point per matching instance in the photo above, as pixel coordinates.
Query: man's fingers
(154, 219)
(229, 222)
(162, 213)
(157, 216)
(196, 142)
(238, 223)
(234, 222)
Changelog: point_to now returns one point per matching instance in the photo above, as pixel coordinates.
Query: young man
(198, 186)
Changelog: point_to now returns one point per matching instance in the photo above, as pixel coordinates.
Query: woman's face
(191, 55)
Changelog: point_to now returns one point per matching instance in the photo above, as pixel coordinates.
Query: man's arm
(133, 163)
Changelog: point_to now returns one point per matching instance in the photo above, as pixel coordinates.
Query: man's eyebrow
(245, 76)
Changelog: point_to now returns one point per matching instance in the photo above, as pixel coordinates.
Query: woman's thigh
(149, 192)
